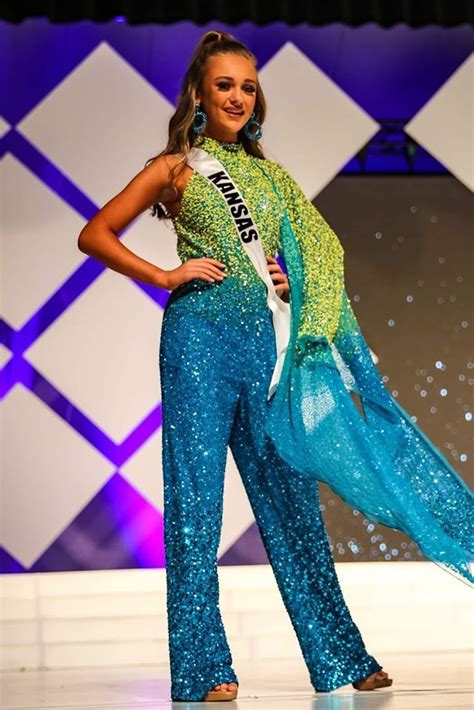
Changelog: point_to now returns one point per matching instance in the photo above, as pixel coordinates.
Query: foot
(225, 686)
(376, 677)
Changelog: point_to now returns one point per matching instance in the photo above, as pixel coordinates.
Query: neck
(219, 146)
(229, 138)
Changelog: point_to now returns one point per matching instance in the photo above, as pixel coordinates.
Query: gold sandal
(220, 695)
(372, 682)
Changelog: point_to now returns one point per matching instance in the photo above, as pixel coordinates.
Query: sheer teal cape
(380, 463)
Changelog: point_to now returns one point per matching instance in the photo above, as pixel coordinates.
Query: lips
(236, 114)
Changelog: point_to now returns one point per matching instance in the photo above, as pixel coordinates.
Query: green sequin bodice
(204, 226)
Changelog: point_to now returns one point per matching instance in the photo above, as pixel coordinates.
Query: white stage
(98, 639)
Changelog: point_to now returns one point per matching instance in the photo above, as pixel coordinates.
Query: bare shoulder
(162, 165)
(169, 172)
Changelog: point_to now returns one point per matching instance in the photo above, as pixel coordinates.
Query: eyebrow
(231, 78)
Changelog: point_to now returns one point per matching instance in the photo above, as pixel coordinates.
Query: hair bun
(212, 36)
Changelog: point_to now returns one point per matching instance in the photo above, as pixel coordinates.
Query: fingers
(208, 274)
(274, 267)
(212, 263)
(273, 262)
(212, 270)
(279, 277)
(206, 268)
(210, 260)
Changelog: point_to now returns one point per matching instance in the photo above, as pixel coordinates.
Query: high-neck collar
(212, 145)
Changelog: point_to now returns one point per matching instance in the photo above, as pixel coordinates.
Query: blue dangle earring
(257, 133)
(200, 119)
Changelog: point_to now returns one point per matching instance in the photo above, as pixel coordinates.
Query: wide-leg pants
(217, 354)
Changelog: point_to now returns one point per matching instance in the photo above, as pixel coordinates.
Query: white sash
(206, 164)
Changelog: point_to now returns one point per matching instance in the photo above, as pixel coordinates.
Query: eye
(225, 86)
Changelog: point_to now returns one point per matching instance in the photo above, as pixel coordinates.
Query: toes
(377, 674)
(225, 686)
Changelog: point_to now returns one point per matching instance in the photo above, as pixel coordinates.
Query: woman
(229, 354)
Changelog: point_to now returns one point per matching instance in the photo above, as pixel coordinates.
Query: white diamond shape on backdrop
(49, 473)
(445, 124)
(103, 353)
(101, 123)
(144, 471)
(39, 241)
(154, 240)
(4, 126)
(312, 127)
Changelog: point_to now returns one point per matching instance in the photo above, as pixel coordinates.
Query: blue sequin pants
(217, 354)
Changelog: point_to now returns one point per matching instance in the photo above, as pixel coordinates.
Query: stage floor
(421, 680)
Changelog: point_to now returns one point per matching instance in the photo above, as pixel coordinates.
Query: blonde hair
(181, 135)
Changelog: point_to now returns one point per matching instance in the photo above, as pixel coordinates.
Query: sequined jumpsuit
(217, 354)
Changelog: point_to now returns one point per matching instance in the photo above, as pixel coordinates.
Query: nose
(236, 97)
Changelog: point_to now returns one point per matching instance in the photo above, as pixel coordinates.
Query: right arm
(99, 237)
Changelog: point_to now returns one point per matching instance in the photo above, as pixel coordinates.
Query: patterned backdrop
(84, 107)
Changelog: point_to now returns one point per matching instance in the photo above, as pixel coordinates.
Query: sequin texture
(322, 257)
(204, 214)
(203, 224)
(217, 354)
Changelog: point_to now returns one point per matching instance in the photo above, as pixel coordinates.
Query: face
(229, 84)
